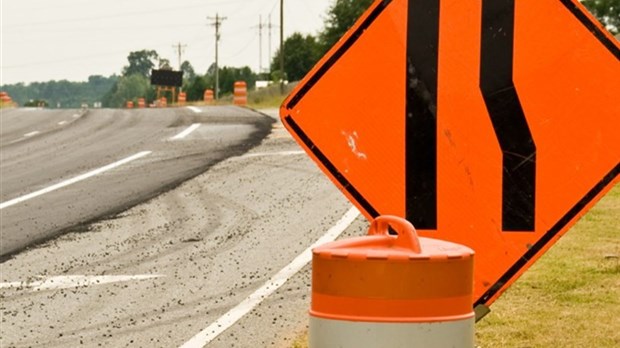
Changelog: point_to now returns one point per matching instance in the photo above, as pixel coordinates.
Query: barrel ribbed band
(436, 289)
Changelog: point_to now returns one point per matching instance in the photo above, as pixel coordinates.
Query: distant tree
(211, 69)
(65, 93)
(36, 103)
(188, 71)
(196, 87)
(300, 55)
(607, 12)
(340, 17)
(141, 63)
(228, 76)
(164, 64)
(128, 88)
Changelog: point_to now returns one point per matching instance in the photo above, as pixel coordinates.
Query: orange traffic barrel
(240, 93)
(129, 104)
(208, 96)
(182, 98)
(387, 291)
(141, 103)
(163, 102)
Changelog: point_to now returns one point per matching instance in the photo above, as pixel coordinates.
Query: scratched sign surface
(490, 123)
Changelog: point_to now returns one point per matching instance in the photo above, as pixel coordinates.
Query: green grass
(264, 98)
(268, 97)
(569, 298)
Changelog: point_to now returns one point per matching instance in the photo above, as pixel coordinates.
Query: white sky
(46, 40)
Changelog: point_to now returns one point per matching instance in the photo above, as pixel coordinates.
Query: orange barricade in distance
(240, 93)
(141, 103)
(5, 99)
(208, 96)
(182, 98)
(129, 104)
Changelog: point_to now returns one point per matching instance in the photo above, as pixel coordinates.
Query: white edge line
(186, 132)
(281, 153)
(62, 123)
(73, 180)
(67, 282)
(75, 281)
(244, 307)
(194, 109)
(31, 134)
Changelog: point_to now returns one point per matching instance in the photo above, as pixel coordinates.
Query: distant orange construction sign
(492, 123)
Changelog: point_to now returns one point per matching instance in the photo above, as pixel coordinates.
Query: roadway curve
(43, 148)
(208, 244)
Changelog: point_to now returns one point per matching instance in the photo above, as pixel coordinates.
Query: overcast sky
(46, 40)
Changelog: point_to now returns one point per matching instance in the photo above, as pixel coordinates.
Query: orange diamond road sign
(490, 123)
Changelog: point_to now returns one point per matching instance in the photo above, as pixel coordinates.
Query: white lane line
(76, 115)
(74, 281)
(229, 318)
(186, 132)
(194, 109)
(73, 180)
(31, 134)
(281, 153)
(62, 123)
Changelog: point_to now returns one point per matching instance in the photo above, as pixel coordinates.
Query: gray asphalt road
(188, 257)
(43, 149)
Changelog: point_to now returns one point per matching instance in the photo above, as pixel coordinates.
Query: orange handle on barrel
(407, 236)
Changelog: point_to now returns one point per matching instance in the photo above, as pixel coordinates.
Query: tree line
(64, 94)
(301, 52)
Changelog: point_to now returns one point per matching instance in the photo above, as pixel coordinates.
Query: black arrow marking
(421, 113)
(571, 214)
(507, 116)
(607, 180)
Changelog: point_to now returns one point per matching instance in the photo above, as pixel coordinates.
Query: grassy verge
(264, 98)
(569, 298)
(268, 97)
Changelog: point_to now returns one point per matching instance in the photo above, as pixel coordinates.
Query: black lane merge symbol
(502, 102)
(507, 116)
(421, 113)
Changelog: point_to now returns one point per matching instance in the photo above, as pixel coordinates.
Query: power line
(217, 22)
(245, 47)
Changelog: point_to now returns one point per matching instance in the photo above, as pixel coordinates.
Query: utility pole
(269, 49)
(282, 47)
(260, 44)
(180, 48)
(217, 21)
